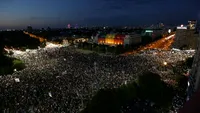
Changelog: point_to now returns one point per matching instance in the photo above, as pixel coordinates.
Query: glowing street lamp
(165, 63)
(169, 31)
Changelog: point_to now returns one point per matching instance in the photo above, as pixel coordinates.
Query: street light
(165, 63)
(169, 31)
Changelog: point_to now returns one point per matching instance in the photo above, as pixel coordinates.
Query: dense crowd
(62, 80)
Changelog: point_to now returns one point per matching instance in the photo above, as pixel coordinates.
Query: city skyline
(40, 13)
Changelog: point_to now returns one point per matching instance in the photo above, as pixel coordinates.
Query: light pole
(95, 69)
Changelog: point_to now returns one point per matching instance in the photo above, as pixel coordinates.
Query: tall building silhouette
(48, 29)
(192, 24)
(69, 26)
(194, 77)
(29, 29)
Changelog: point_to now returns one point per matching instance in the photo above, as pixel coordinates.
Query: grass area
(84, 51)
(8, 65)
(18, 64)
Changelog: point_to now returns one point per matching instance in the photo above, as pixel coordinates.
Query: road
(45, 40)
(34, 36)
(163, 44)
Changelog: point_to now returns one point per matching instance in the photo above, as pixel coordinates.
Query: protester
(59, 80)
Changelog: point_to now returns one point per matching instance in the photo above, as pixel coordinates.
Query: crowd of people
(62, 80)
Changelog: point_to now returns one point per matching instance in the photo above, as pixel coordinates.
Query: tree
(134, 97)
(127, 93)
(153, 88)
(189, 62)
(119, 49)
(182, 83)
(111, 100)
(105, 101)
(150, 84)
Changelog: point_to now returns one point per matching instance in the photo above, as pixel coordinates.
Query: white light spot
(125, 82)
(165, 63)
(188, 83)
(15, 70)
(65, 72)
(17, 80)
(50, 94)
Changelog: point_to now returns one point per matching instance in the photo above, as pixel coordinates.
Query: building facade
(117, 39)
(192, 24)
(132, 39)
(194, 77)
(153, 34)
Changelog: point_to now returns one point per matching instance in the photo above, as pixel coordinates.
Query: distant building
(48, 29)
(132, 39)
(186, 36)
(43, 29)
(153, 33)
(29, 29)
(181, 27)
(76, 26)
(194, 75)
(69, 26)
(192, 24)
(161, 25)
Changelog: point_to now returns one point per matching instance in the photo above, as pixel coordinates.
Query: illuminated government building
(117, 39)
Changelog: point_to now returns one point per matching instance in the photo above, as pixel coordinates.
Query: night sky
(59, 13)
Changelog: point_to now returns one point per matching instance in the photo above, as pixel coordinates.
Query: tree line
(149, 92)
(17, 40)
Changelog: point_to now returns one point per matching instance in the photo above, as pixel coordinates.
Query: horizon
(18, 14)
